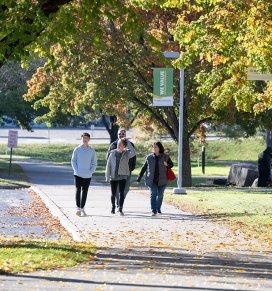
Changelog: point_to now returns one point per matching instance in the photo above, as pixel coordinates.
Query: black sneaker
(159, 212)
(121, 213)
(154, 213)
(113, 210)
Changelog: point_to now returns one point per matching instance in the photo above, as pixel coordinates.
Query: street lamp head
(171, 55)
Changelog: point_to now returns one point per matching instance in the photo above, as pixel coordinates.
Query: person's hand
(165, 163)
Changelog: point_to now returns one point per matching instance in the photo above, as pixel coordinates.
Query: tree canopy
(100, 56)
(228, 37)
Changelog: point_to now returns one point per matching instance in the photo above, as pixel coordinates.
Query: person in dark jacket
(156, 179)
(132, 161)
(264, 167)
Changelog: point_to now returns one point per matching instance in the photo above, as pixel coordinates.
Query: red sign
(12, 138)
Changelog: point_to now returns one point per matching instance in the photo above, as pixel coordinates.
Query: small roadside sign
(12, 138)
(254, 75)
(12, 143)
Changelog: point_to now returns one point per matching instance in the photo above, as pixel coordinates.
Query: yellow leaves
(182, 19)
(265, 100)
(197, 8)
(251, 21)
(194, 46)
(188, 36)
(36, 84)
(99, 266)
(219, 59)
(220, 27)
(245, 61)
(158, 34)
(208, 57)
(6, 266)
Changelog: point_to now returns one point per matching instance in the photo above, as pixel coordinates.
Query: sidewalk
(174, 251)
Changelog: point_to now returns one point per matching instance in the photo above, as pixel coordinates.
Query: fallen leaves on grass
(29, 255)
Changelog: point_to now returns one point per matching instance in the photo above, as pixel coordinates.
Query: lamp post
(179, 189)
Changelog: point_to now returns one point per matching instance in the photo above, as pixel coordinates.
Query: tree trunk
(186, 163)
(111, 126)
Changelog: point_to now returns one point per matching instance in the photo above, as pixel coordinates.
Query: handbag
(170, 174)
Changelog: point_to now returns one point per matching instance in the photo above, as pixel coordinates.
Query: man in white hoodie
(84, 163)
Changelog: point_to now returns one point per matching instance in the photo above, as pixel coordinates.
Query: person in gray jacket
(84, 163)
(132, 161)
(117, 171)
(156, 179)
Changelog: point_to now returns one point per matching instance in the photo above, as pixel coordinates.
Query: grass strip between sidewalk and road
(18, 255)
(16, 179)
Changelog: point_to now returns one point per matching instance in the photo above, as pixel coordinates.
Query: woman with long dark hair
(155, 168)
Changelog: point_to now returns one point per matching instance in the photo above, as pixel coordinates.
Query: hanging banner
(163, 87)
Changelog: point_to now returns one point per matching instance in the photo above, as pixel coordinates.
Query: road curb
(56, 212)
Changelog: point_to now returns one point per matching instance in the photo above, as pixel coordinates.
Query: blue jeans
(156, 196)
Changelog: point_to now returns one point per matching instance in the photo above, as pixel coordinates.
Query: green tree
(13, 85)
(21, 23)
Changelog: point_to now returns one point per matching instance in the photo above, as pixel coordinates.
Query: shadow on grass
(230, 189)
(43, 245)
(12, 185)
(220, 216)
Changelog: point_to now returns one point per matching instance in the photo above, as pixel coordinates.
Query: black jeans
(82, 186)
(121, 184)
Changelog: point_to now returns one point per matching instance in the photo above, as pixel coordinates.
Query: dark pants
(82, 186)
(125, 191)
(120, 184)
(264, 177)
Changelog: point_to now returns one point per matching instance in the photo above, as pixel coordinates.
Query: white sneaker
(83, 213)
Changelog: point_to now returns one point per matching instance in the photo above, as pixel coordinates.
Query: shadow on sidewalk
(178, 260)
(124, 284)
(157, 264)
(147, 215)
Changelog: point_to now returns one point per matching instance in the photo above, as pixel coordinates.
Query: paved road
(69, 135)
(174, 251)
(53, 136)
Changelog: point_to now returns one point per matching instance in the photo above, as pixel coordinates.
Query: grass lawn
(217, 153)
(26, 256)
(241, 209)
